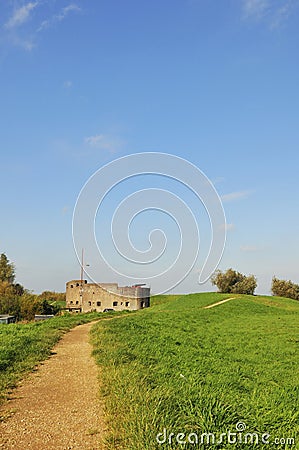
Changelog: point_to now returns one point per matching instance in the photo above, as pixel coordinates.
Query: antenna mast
(82, 262)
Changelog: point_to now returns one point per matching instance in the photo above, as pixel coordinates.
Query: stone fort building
(82, 296)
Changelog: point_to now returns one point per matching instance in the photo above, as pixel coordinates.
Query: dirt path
(219, 303)
(58, 406)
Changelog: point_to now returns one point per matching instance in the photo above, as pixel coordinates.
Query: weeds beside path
(58, 406)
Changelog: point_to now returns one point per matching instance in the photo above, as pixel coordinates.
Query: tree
(9, 300)
(48, 308)
(6, 289)
(52, 296)
(18, 289)
(234, 282)
(10, 305)
(284, 288)
(16, 300)
(30, 305)
(7, 269)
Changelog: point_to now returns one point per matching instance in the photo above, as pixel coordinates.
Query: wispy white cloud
(255, 8)
(68, 9)
(65, 210)
(44, 25)
(235, 196)
(26, 37)
(104, 142)
(229, 226)
(58, 17)
(273, 13)
(26, 44)
(218, 180)
(68, 84)
(250, 248)
(282, 14)
(21, 15)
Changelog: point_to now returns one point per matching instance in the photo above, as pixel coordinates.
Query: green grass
(188, 369)
(22, 346)
(160, 299)
(60, 303)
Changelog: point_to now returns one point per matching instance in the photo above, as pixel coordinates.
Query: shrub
(284, 288)
(234, 282)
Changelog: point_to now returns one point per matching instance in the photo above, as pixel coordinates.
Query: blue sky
(83, 83)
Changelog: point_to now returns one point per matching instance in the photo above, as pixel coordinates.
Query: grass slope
(187, 369)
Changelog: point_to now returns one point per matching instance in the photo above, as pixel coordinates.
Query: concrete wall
(6, 318)
(88, 297)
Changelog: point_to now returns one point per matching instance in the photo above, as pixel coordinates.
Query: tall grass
(179, 367)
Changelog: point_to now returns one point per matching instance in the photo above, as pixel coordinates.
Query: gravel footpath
(57, 406)
(219, 303)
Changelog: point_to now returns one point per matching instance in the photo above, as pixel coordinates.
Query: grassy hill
(182, 368)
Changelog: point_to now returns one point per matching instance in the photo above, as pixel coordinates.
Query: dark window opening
(99, 303)
(77, 284)
(89, 303)
(115, 303)
(77, 303)
(127, 303)
(72, 286)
